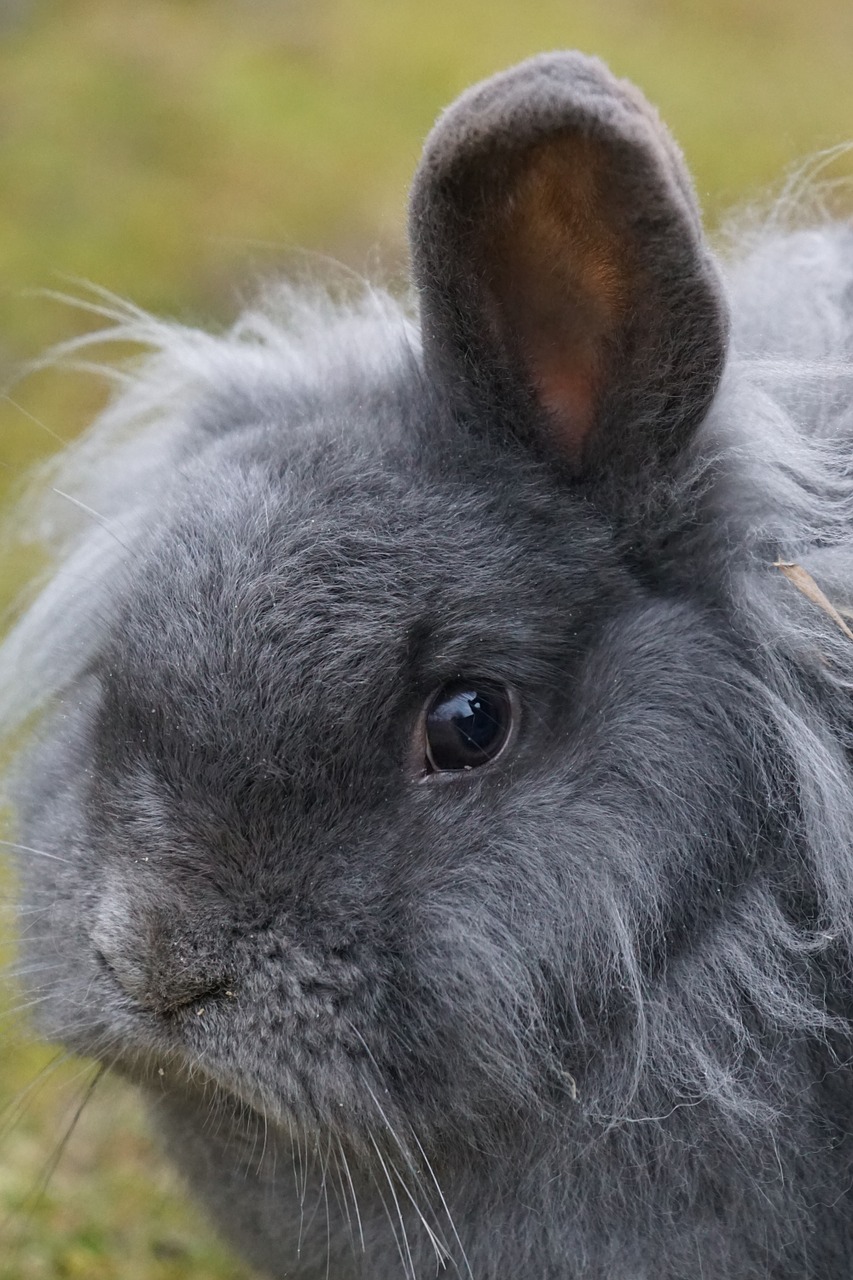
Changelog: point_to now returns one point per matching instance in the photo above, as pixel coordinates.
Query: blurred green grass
(172, 152)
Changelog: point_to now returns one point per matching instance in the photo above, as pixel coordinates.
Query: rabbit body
(580, 1007)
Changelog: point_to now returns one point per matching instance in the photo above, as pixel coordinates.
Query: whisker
(304, 1188)
(405, 1234)
(262, 1156)
(104, 523)
(438, 1243)
(406, 1154)
(15, 1010)
(40, 1186)
(40, 853)
(321, 1193)
(293, 1159)
(325, 1191)
(20, 973)
(16, 1107)
(340, 1189)
(444, 1205)
(356, 1209)
(31, 416)
(14, 909)
(391, 1225)
(442, 1253)
(61, 1146)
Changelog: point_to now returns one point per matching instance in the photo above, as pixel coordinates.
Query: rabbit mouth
(286, 1062)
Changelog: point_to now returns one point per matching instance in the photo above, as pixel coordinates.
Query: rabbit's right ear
(565, 286)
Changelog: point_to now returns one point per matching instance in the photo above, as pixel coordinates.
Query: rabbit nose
(164, 984)
(160, 959)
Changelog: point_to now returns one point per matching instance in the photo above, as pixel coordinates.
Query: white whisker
(32, 418)
(352, 1193)
(39, 853)
(405, 1235)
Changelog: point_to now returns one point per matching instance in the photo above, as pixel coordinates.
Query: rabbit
(441, 802)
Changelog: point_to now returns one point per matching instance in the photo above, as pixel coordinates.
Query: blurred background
(174, 151)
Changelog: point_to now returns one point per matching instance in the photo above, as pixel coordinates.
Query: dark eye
(467, 724)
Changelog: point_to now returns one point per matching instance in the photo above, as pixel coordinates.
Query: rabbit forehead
(327, 567)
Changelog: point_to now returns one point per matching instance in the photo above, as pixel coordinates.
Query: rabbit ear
(564, 281)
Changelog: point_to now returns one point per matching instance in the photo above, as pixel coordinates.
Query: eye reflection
(467, 725)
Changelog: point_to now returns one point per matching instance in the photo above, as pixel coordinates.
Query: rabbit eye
(467, 724)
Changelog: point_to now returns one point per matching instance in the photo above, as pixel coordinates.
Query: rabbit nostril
(161, 993)
(172, 1001)
(182, 978)
(160, 962)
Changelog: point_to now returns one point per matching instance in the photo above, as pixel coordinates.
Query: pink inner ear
(561, 263)
(569, 397)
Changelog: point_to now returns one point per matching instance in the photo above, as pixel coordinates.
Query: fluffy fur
(585, 1012)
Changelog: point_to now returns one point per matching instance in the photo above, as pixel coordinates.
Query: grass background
(172, 152)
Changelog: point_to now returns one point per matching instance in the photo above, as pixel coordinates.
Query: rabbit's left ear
(565, 286)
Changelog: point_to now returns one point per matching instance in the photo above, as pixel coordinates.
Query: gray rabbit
(443, 769)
